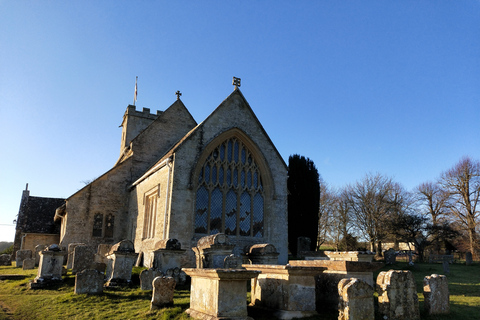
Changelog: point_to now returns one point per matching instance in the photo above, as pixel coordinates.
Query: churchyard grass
(19, 302)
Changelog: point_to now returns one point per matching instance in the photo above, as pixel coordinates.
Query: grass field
(19, 302)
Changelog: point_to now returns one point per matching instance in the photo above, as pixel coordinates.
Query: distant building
(176, 179)
(35, 222)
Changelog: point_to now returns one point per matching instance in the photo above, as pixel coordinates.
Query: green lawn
(19, 302)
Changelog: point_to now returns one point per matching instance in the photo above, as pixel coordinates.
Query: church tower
(135, 122)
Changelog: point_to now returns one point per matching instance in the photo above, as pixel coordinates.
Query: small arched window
(97, 225)
(230, 194)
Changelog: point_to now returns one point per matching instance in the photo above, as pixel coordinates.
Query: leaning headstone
(163, 290)
(468, 258)
(437, 297)
(22, 255)
(83, 256)
(28, 264)
(147, 276)
(390, 256)
(397, 295)
(355, 300)
(89, 281)
(5, 260)
(232, 262)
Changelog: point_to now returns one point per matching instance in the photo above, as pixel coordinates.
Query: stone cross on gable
(178, 93)
(236, 82)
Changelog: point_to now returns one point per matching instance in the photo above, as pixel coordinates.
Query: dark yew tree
(303, 201)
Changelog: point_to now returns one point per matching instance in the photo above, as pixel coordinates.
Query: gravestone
(71, 248)
(102, 251)
(232, 262)
(147, 276)
(397, 295)
(446, 266)
(50, 267)
(355, 300)
(177, 274)
(263, 253)
(468, 258)
(22, 255)
(163, 290)
(5, 260)
(303, 244)
(28, 264)
(89, 281)
(39, 248)
(212, 250)
(437, 297)
(83, 257)
(390, 256)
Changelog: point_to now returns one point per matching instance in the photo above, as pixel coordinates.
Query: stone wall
(31, 240)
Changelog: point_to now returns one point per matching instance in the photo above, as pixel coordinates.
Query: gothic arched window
(230, 193)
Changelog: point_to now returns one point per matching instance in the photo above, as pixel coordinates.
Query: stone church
(176, 179)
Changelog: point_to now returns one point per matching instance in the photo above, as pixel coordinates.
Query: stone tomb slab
(219, 293)
(288, 290)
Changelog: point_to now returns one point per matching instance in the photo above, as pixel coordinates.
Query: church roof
(170, 153)
(36, 215)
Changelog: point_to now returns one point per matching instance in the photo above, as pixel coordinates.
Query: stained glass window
(230, 196)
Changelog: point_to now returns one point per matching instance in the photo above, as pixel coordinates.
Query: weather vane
(236, 82)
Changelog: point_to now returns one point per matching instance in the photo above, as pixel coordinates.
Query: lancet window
(230, 193)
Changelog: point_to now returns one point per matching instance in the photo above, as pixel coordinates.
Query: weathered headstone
(167, 254)
(355, 300)
(83, 256)
(397, 295)
(28, 264)
(22, 255)
(468, 258)
(163, 290)
(71, 248)
(437, 297)
(147, 276)
(232, 262)
(99, 266)
(102, 251)
(5, 260)
(89, 281)
(390, 256)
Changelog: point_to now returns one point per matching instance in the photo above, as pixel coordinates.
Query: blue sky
(357, 86)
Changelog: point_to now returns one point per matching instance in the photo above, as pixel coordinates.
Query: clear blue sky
(357, 86)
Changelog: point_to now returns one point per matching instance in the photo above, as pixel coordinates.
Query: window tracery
(230, 194)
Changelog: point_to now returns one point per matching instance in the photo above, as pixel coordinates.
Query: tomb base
(219, 293)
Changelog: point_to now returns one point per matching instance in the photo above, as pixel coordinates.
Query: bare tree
(462, 182)
(433, 200)
(372, 200)
(335, 220)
